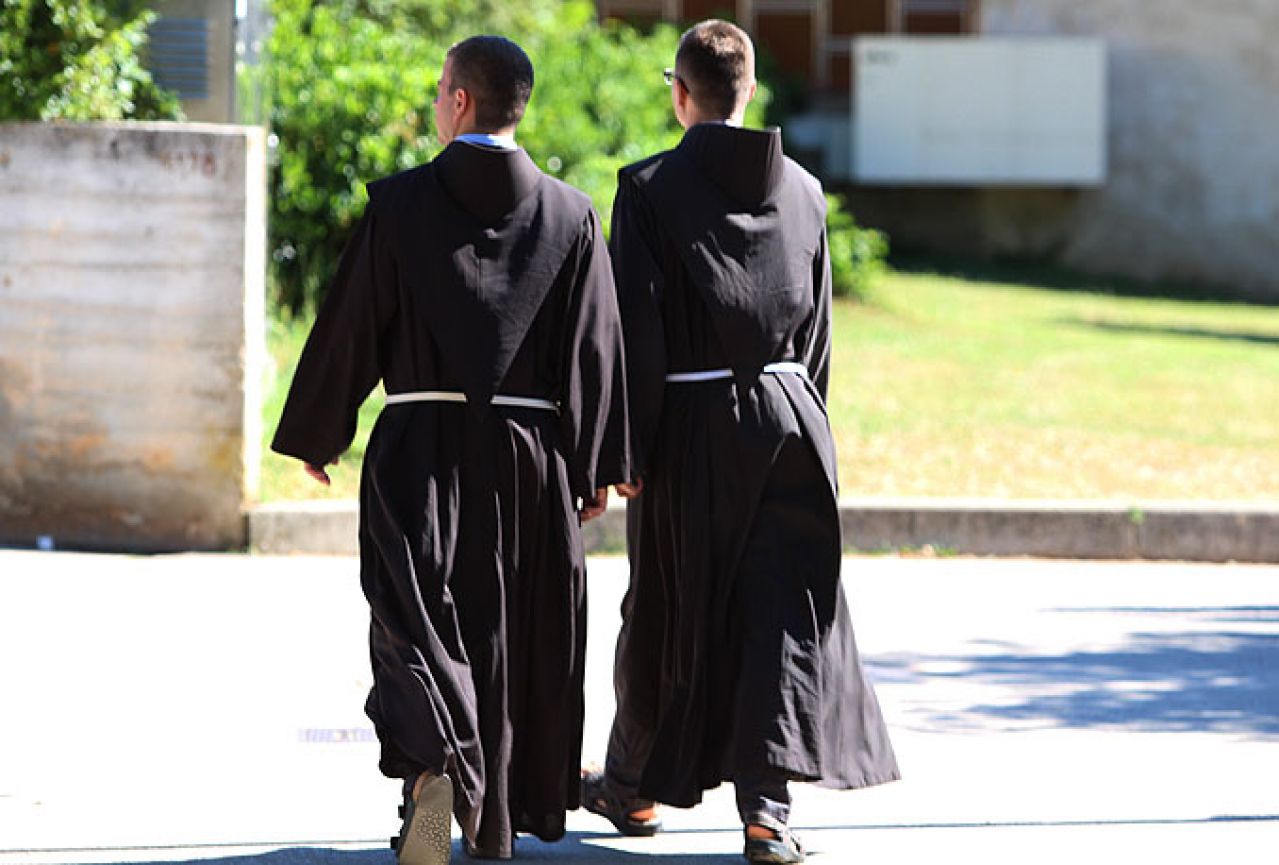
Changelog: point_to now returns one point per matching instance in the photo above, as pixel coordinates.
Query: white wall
(132, 261)
(1193, 191)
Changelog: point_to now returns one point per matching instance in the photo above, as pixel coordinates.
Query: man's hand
(593, 507)
(630, 491)
(319, 472)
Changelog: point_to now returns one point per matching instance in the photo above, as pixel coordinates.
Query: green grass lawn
(945, 386)
(949, 387)
(282, 477)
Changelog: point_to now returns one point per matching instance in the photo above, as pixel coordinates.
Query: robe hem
(861, 782)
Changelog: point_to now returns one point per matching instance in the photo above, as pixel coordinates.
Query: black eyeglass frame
(670, 76)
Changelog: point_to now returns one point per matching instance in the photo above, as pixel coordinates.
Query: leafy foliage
(857, 255)
(78, 60)
(600, 101)
(350, 83)
(349, 94)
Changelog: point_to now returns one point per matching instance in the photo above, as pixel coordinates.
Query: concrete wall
(132, 261)
(1193, 186)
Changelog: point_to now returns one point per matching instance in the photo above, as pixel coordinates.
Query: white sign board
(964, 111)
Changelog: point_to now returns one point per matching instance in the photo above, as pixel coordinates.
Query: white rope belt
(787, 366)
(458, 396)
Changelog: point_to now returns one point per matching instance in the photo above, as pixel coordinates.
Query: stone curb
(1184, 531)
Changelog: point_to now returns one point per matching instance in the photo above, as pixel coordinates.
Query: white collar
(484, 139)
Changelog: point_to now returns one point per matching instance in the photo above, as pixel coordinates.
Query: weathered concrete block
(1189, 531)
(607, 532)
(1202, 532)
(328, 528)
(132, 260)
(1087, 530)
(331, 528)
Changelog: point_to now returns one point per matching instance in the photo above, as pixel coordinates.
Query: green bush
(78, 60)
(857, 255)
(350, 85)
(349, 94)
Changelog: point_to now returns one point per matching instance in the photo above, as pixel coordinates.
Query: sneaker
(425, 837)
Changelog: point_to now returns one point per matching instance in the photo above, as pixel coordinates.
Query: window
(949, 17)
(810, 39)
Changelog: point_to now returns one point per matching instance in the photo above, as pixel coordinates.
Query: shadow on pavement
(1205, 679)
(574, 847)
(1047, 824)
(1207, 614)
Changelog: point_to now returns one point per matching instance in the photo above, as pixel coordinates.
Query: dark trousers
(763, 798)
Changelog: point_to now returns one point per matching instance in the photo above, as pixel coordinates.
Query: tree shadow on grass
(1203, 679)
(1176, 330)
(1022, 273)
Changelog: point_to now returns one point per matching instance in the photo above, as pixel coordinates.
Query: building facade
(1190, 190)
(191, 51)
(811, 39)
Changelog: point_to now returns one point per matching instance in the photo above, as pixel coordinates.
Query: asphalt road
(174, 708)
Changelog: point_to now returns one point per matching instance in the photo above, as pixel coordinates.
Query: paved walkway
(173, 708)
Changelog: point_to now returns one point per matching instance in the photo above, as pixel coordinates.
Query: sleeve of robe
(593, 405)
(817, 352)
(639, 292)
(341, 362)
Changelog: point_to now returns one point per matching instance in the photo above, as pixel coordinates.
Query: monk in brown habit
(736, 660)
(479, 291)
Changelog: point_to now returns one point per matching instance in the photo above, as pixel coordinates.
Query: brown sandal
(785, 849)
(599, 799)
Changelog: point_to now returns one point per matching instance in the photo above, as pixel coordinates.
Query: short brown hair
(498, 75)
(717, 63)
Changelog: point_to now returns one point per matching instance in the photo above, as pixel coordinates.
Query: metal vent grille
(179, 56)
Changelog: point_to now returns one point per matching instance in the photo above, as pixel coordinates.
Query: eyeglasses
(669, 76)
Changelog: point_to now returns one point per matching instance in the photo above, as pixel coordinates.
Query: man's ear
(685, 96)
